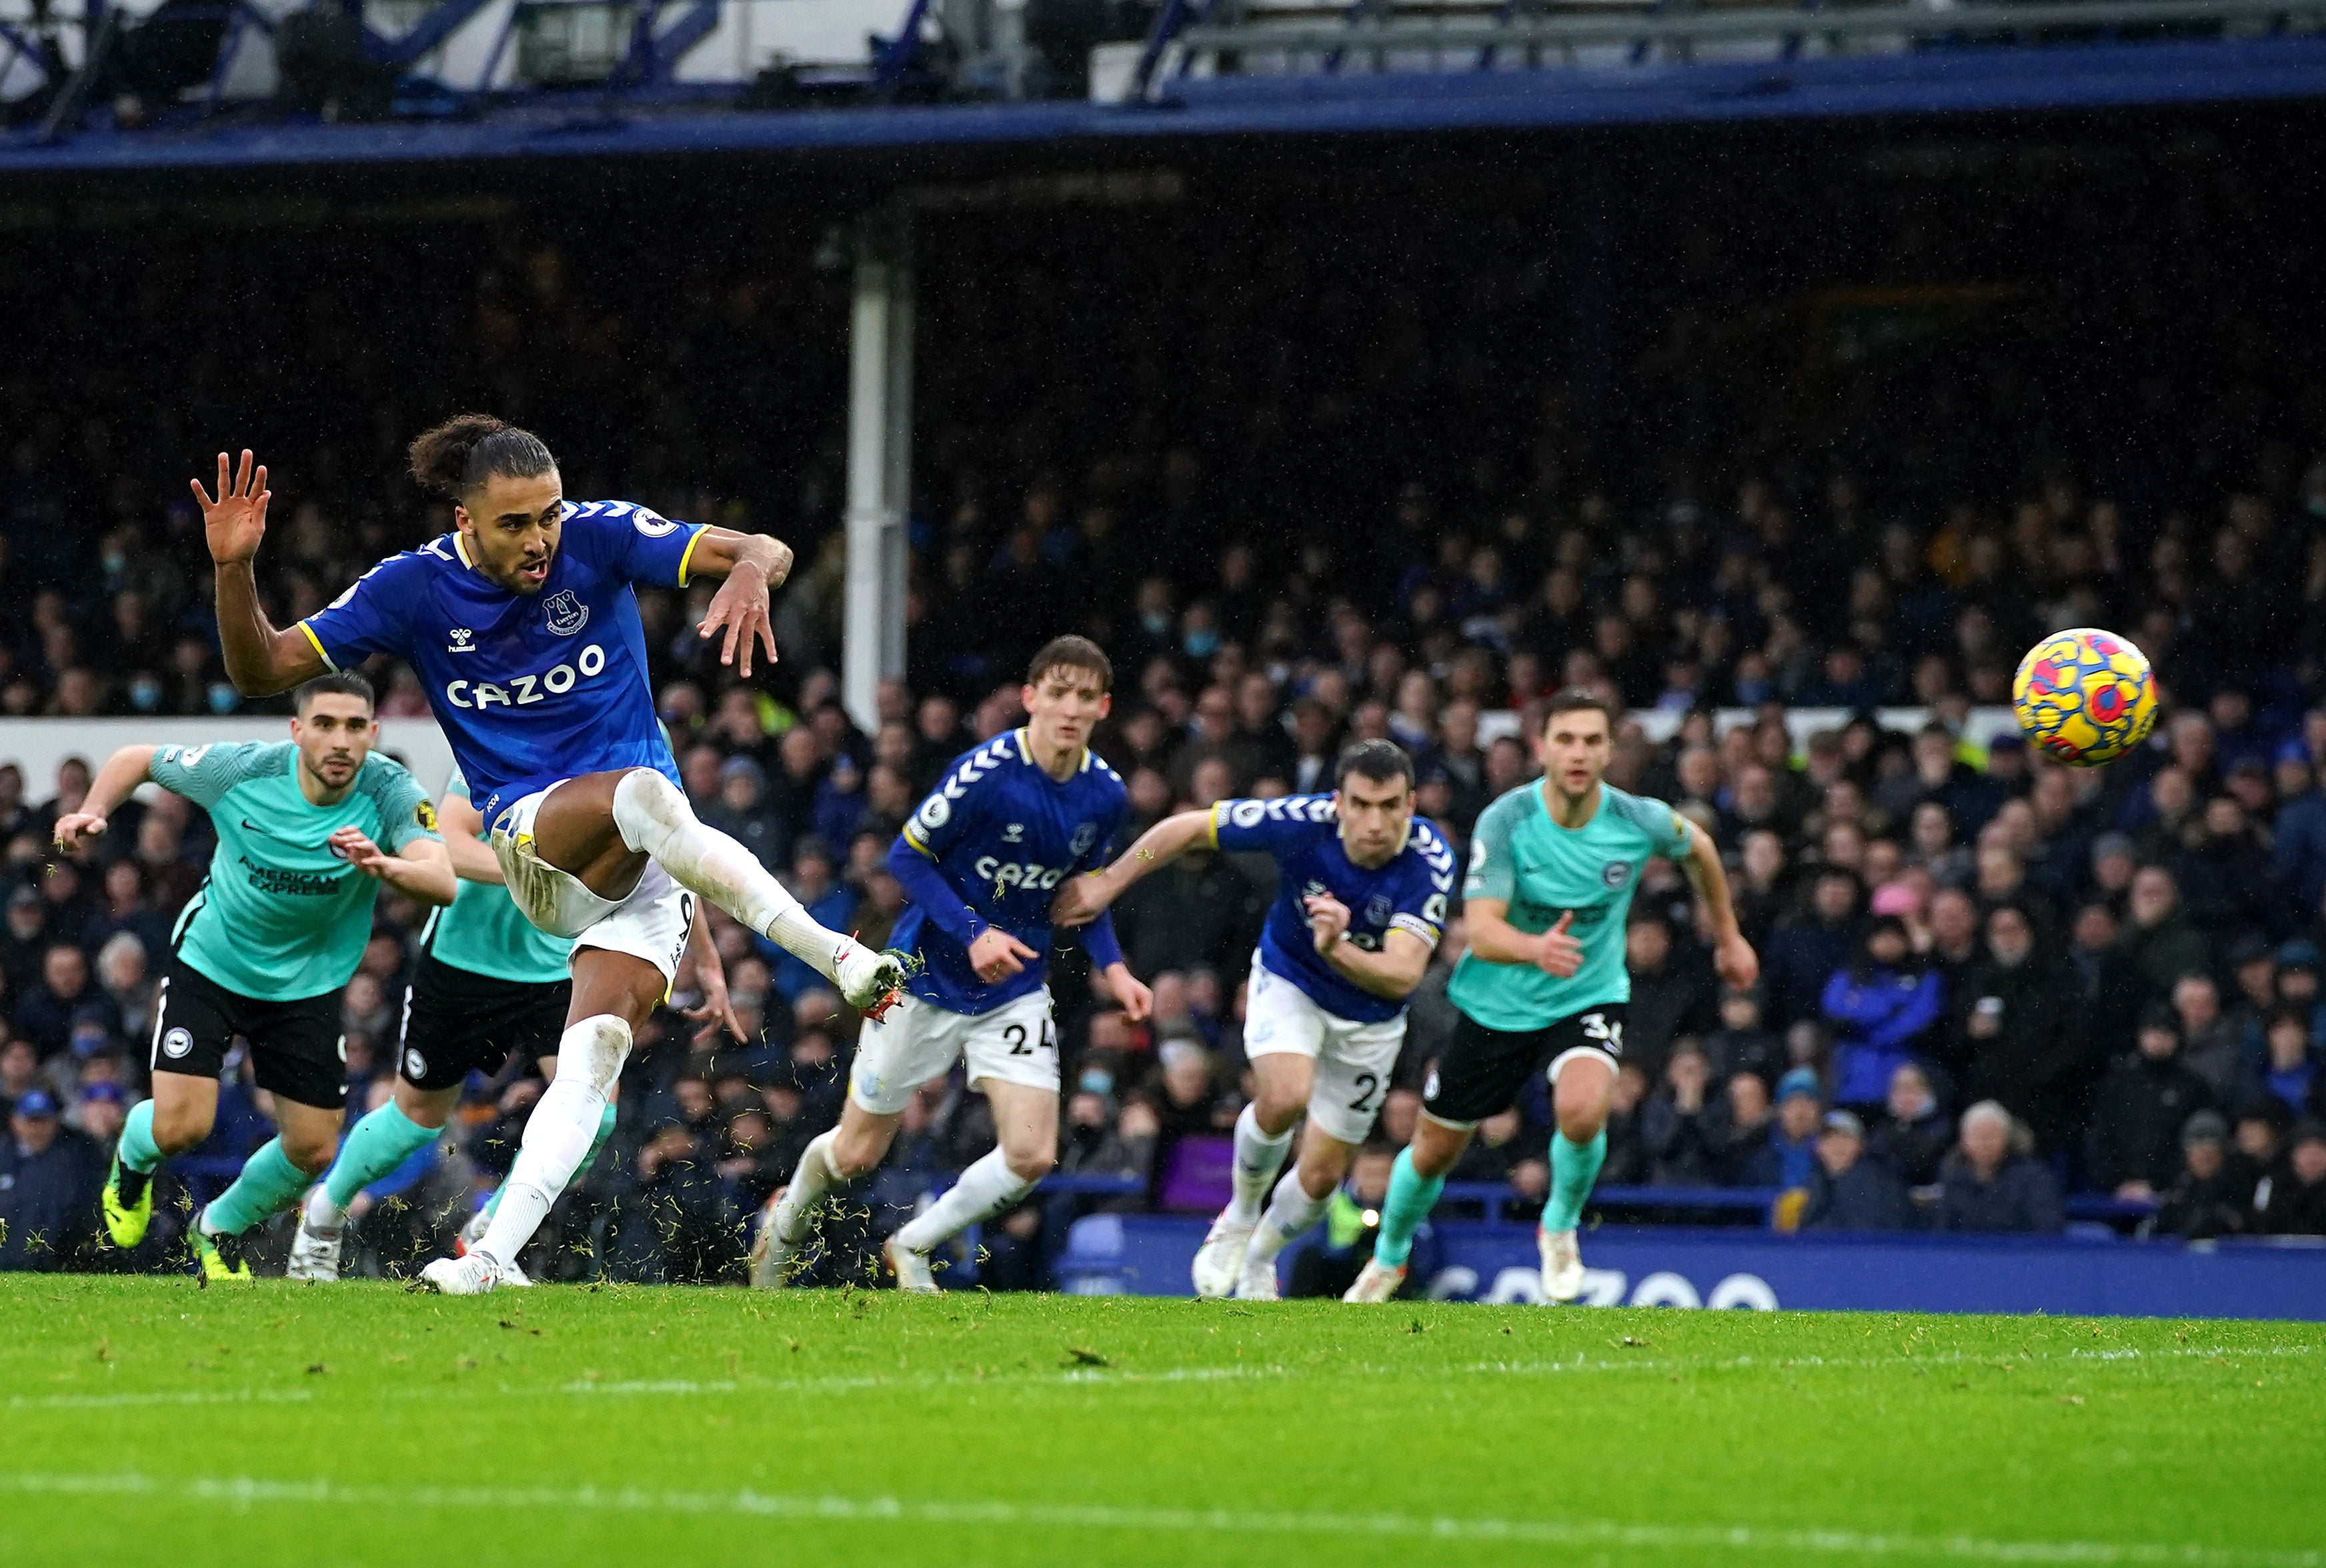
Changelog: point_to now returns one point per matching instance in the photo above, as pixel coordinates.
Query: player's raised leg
(178, 1117)
(602, 828)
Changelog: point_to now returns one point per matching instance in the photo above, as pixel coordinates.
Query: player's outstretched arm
(259, 660)
(1390, 974)
(716, 1011)
(1084, 899)
(458, 818)
(1732, 955)
(753, 564)
(423, 870)
(123, 771)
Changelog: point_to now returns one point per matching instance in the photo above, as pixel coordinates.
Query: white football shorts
(918, 1042)
(652, 924)
(1354, 1061)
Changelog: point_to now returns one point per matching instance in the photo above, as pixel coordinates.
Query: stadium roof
(1954, 82)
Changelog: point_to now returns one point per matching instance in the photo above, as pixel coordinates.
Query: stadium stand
(1360, 466)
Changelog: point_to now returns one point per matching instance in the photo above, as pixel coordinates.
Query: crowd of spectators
(1990, 984)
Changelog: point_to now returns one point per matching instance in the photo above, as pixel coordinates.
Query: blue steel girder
(432, 29)
(669, 46)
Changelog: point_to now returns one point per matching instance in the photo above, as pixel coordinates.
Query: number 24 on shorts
(1016, 1034)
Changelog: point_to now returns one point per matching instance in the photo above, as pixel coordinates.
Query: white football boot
(470, 1273)
(869, 982)
(1258, 1280)
(472, 1232)
(1219, 1262)
(1376, 1281)
(772, 1256)
(314, 1252)
(1562, 1266)
(911, 1269)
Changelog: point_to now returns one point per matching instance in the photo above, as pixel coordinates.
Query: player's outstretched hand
(716, 1011)
(235, 522)
(1329, 918)
(1738, 964)
(996, 955)
(1561, 954)
(1137, 1002)
(741, 607)
(351, 845)
(74, 826)
(1081, 900)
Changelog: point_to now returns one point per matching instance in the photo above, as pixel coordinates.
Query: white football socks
(984, 1190)
(653, 818)
(1289, 1212)
(809, 1184)
(558, 1134)
(1258, 1158)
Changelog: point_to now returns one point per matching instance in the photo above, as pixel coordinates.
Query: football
(2085, 697)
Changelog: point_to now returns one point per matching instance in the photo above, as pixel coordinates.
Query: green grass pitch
(149, 1422)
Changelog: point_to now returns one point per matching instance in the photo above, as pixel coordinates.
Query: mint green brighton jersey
(482, 932)
(1542, 870)
(280, 917)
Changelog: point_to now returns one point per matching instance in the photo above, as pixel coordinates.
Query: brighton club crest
(566, 613)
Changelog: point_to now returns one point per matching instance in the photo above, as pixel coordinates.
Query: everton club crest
(566, 613)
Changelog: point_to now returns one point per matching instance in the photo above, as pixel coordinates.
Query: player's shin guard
(816, 1177)
(1290, 1210)
(654, 818)
(137, 1151)
(1573, 1168)
(269, 1183)
(984, 1190)
(1258, 1158)
(560, 1132)
(383, 1140)
(1411, 1197)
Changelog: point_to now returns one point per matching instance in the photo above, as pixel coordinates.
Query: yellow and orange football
(2085, 697)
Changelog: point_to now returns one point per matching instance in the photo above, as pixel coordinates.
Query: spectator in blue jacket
(1880, 1006)
(1988, 1183)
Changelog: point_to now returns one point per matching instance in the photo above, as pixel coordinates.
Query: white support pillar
(879, 460)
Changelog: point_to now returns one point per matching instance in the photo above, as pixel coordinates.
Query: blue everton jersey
(530, 688)
(1303, 834)
(1003, 834)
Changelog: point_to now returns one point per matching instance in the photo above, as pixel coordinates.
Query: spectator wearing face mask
(1988, 1183)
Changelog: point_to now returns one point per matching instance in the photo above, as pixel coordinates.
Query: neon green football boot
(128, 1205)
(219, 1258)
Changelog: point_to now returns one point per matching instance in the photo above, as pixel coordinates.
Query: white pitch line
(244, 1491)
(191, 1397)
(1125, 1378)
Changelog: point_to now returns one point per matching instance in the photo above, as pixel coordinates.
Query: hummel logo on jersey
(566, 615)
(1015, 834)
(463, 641)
